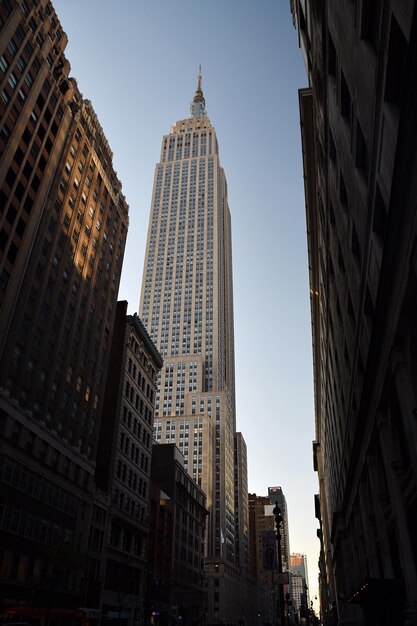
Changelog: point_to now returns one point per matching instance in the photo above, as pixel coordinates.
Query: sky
(137, 61)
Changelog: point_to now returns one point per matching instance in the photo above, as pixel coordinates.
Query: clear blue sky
(137, 61)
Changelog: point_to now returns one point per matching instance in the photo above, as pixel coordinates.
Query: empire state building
(187, 308)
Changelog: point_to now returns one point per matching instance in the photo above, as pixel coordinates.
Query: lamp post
(278, 522)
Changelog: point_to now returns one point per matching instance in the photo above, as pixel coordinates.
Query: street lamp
(278, 521)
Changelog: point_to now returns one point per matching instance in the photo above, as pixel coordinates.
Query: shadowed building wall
(359, 135)
(63, 226)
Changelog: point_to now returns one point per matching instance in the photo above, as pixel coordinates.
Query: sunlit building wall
(187, 308)
(63, 228)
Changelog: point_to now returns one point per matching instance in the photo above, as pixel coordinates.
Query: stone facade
(123, 470)
(63, 229)
(359, 136)
(187, 308)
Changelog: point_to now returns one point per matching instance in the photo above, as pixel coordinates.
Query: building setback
(187, 308)
(63, 228)
(359, 137)
(124, 467)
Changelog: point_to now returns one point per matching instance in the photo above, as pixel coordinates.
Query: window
(345, 98)
(3, 64)
(12, 80)
(371, 21)
(21, 63)
(332, 147)
(380, 216)
(6, 564)
(12, 47)
(356, 250)
(361, 152)
(29, 79)
(395, 80)
(343, 195)
(28, 49)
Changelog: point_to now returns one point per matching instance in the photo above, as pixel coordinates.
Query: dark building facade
(124, 467)
(277, 496)
(359, 133)
(63, 226)
(263, 558)
(178, 524)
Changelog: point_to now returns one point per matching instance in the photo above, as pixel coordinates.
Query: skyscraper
(63, 228)
(187, 307)
(359, 130)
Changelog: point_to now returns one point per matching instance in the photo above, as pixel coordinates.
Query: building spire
(198, 105)
(199, 79)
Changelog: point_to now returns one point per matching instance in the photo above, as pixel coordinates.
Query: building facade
(297, 594)
(241, 504)
(187, 308)
(123, 469)
(177, 589)
(299, 583)
(264, 555)
(359, 154)
(63, 228)
(247, 606)
(276, 495)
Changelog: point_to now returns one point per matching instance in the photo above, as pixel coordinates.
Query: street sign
(283, 578)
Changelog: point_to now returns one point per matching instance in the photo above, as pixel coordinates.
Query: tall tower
(359, 146)
(63, 228)
(187, 308)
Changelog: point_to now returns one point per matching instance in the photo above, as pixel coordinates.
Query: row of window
(24, 523)
(21, 478)
(48, 454)
(134, 452)
(131, 479)
(135, 399)
(27, 568)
